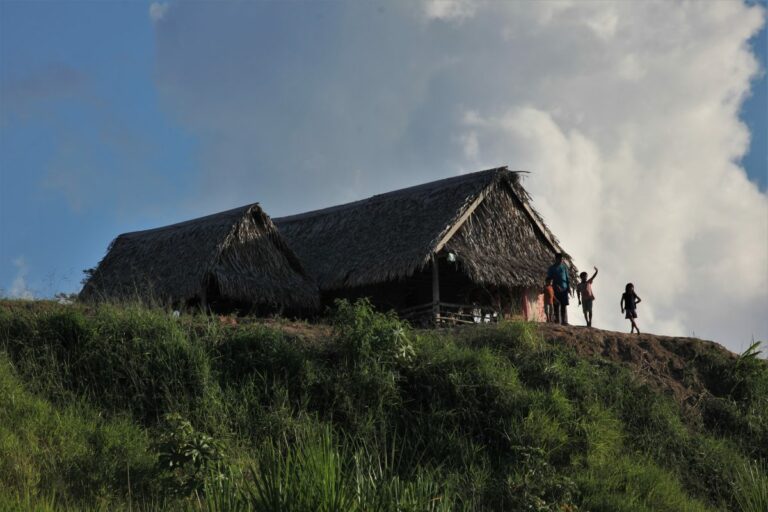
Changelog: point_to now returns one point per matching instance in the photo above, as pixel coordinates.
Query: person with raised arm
(585, 295)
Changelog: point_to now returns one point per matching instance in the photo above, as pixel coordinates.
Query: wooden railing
(446, 313)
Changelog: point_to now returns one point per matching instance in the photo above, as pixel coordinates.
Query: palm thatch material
(239, 254)
(484, 218)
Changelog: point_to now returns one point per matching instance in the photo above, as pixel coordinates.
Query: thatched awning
(240, 250)
(390, 236)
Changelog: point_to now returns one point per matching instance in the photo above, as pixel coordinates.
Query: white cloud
(470, 144)
(630, 68)
(626, 114)
(19, 288)
(157, 11)
(604, 22)
(449, 10)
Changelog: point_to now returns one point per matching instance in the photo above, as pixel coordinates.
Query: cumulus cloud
(19, 288)
(157, 11)
(625, 113)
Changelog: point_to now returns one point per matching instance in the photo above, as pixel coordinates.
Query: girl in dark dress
(629, 302)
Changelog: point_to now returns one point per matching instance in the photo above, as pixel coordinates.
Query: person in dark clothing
(629, 302)
(558, 272)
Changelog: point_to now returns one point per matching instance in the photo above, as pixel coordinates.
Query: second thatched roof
(485, 217)
(239, 251)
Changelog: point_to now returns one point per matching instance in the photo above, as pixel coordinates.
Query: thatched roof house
(235, 257)
(452, 239)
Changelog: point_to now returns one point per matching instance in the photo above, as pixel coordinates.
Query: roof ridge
(225, 213)
(393, 193)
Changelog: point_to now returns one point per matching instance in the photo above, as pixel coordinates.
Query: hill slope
(671, 364)
(126, 408)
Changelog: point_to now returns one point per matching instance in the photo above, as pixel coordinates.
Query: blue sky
(118, 116)
(86, 150)
(755, 114)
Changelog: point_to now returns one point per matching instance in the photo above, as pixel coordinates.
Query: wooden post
(435, 289)
(204, 302)
(204, 295)
(526, 307)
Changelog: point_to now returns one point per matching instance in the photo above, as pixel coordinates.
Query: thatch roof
(240, 250)
(484, 217)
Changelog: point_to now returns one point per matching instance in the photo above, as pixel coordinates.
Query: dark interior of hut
(460, 299)
(213, 301)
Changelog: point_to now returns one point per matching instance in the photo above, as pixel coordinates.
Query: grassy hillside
(127, 408)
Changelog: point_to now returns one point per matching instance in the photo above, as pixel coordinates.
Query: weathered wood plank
(461, 220)
(435, 287)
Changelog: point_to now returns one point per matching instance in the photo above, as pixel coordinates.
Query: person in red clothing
(549, 300)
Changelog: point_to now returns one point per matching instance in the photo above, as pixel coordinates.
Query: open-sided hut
(233, 259)
(445, 249)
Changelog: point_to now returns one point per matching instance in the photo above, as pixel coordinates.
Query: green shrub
(366, 334)
(258, 349)
(144, 363)
(740, 389)
(534, 484)
(187, 456)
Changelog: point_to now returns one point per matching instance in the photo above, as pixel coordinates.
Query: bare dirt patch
(664, 362)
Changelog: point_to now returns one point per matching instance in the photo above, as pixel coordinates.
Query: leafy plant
(537, 486)
(187, 456)
(365, 334)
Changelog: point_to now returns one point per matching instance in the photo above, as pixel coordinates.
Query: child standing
(629, 302)
(585, 295)
(562, 284)
(549, 300)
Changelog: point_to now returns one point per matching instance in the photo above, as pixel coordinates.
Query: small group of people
(557, 291)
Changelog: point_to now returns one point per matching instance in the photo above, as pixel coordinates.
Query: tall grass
(129, 408)
(751, 487)
(121, 360)
(303, 475)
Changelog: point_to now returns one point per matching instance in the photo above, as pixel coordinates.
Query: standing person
(629, 302)
(559, 274)
(549, 300)
(585, 295)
